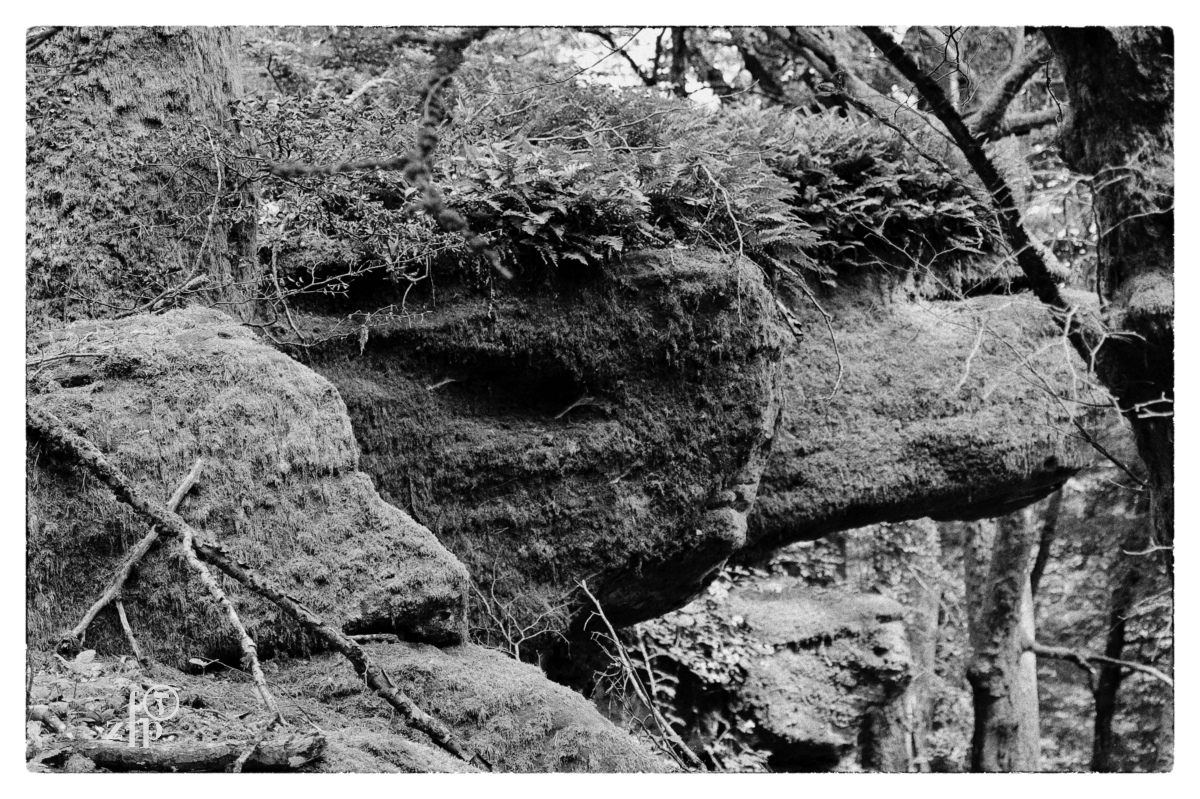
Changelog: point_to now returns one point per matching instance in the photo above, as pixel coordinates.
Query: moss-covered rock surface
(944, 409)
(280, 487)
(608, 427)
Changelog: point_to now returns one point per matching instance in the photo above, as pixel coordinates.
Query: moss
(633, 490)
(280, 487)
(901, 438)
(120, 181)
(506, 710)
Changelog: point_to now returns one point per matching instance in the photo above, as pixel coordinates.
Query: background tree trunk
(127, 134)
(1002, 674)
(1120, 82)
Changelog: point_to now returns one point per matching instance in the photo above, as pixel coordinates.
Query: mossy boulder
(793, 678)
(280, 487)
(608, 427)
(943, 409)
(504, 709)
(837, 659)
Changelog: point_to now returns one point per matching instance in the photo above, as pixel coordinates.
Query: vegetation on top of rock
(567, 173)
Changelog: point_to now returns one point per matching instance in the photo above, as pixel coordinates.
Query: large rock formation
(613, 427)
(838, 661)
(505, 710)
(766, 672)
(943, 409)
(609, 427)
(280, 487)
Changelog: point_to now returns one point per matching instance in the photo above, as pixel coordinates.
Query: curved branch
(647, 78)
(1020, 124)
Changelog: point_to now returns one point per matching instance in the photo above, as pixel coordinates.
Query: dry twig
(56, 435)
(678, 747)
(117, 583)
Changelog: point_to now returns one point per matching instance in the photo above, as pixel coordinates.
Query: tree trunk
(130, 191)
(1002, 674)
(1121, 87)
(1109, 682)
(1046, 541)
(679, 60)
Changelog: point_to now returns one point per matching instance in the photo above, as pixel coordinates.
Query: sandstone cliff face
(615, 428)
(945, 409)
(280, 489)
(280, 486)
(609, 429)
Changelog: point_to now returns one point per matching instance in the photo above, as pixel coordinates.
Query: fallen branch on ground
(46, 716)
(288, 751)
(55, 434)
(249, 648)
(117, 584)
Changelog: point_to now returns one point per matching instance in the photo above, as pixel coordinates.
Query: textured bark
(129, 193)
(988, 120)
(924, 605)
(1120, 82)
(1003, 675)
(679, 60)
(1121, 86)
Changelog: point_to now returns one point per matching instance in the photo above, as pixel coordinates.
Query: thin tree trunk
(1046, 541)
(1003, 675)
(679, 59)
(1109, 681)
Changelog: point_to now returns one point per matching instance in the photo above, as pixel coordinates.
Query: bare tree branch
(54, 434)
(117, 583)
(668, 732)
(1081, 658)
(35, 40)
(1029, 256)
(763, 77)
(1020, 124)
(986, 121)
(648, 78)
